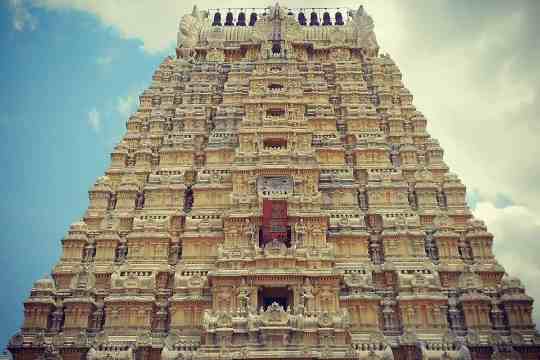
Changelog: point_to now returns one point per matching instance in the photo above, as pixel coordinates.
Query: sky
(71, 72)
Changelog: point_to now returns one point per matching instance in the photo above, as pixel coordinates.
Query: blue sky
(53, 78)
(71, 71)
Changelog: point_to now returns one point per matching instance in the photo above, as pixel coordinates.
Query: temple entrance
(268, 295)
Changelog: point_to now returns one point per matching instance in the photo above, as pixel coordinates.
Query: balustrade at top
(239, 16)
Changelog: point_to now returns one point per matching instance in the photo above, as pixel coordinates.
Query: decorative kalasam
(276, 195)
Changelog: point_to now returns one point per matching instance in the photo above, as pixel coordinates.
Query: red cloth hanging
(275, 220)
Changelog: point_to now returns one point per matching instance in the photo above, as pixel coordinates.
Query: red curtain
(275, 220)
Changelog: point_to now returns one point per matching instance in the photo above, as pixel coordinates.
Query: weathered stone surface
(276, 195)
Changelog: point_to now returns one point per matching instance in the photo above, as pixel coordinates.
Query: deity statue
(394, 159)
(300, 231)
(57, 318)
(441, 199)
(375, 249)
(250, 231)
(307, 296)
(463, 248)
(463, 351)
(431, 247)
(413, 200)
(292, 142)
(362, 199)
(97, 317)
(89, 252)
(243, 300)
(121, 251)
(174, 253)
(112, 201)
(139, 200)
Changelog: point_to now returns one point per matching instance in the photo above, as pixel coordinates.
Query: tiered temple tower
(277, 196)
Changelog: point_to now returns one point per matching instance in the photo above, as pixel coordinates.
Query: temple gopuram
(276, 196)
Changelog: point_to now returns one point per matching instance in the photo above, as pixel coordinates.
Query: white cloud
(22, 19)
(156, 24)
(465, 63)
(516, 244)
(94, 120)
(126, 105)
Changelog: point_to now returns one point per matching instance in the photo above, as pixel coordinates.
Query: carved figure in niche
(292, 142)
(112, 201)
(139, 200)
(464, 249)
(388, 314)
(220, 251)
(375, 249)
(362, 199)
(50, 353)
(188, 199)
(413, 199)
(243, 185)
(394, 159)
(307, 296)
(89, 252)
(57, 318)
(161, 317)
(300, 230)
(431, 248)
(310, 185)
(97, 317)
(250, 231)
(121, 251)
(441, 199)
(463, 352)
(174, 253)
(209, 320)
(246, 144)
(275, 244)
(243, 300)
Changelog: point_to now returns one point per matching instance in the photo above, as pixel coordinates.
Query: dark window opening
(275, 112)
(188, 199)
(275, 143)
(112, 201)
(275, 87)
(241, 19)
(252, 19)
(139, 200)
(229, 19)
(302, 19)
(339, 19)
(314, 19)
(276, 48)
(217, 19)
(280, 295)
(326, 19)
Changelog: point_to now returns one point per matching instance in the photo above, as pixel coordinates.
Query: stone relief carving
(190, 28)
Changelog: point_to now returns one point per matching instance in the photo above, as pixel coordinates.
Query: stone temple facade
(276, 196)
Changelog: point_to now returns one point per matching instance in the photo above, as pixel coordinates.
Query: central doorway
(281, 295)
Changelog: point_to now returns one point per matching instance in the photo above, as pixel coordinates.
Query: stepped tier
(276, 195)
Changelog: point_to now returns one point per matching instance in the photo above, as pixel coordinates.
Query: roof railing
(308, 16)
